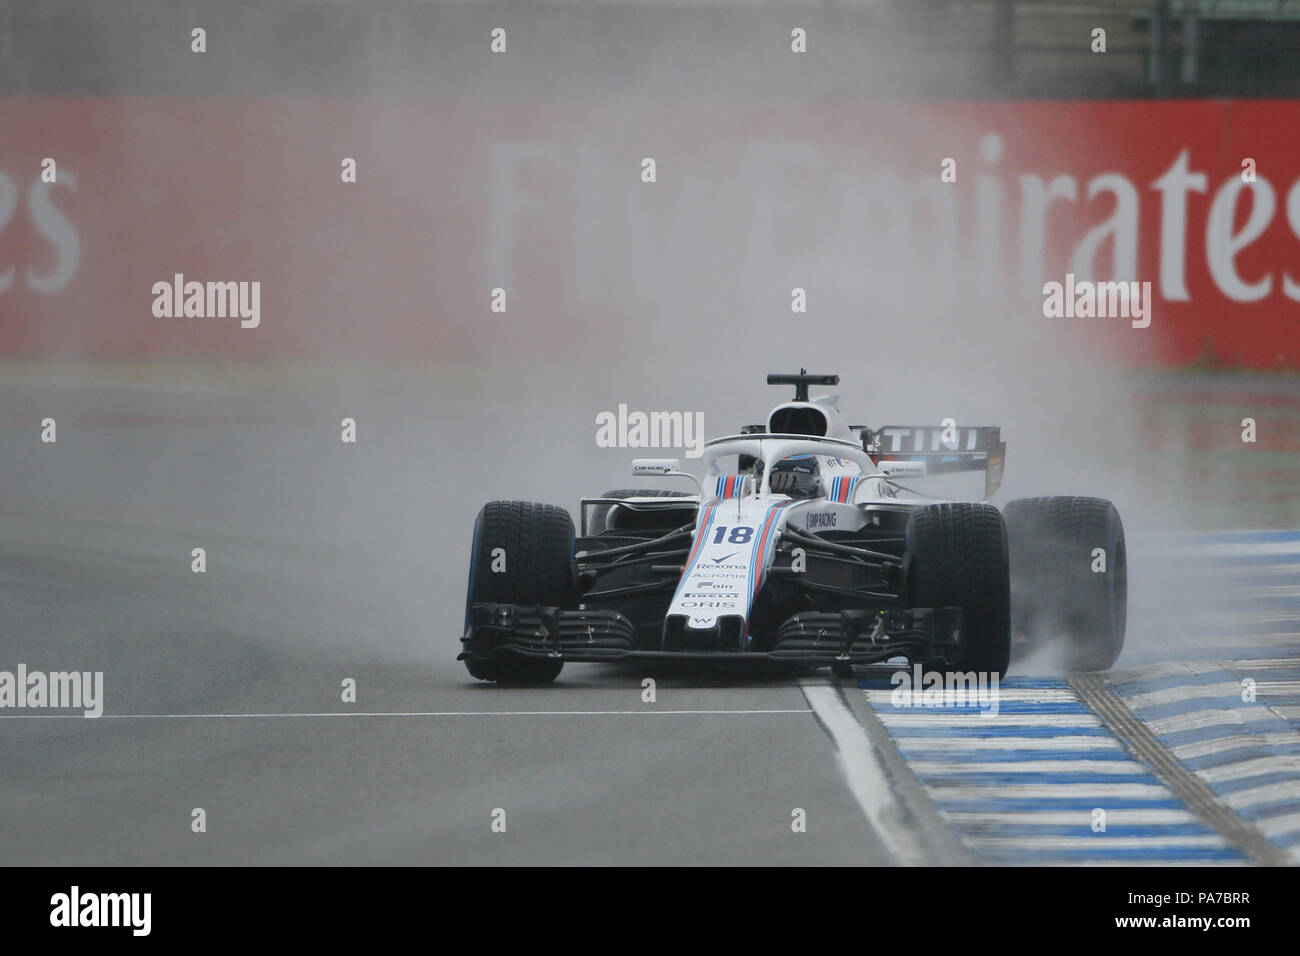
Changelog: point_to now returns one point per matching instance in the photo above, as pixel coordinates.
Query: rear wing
(942, 449)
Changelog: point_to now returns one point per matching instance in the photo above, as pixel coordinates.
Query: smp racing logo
(935, 689)
(821, 519)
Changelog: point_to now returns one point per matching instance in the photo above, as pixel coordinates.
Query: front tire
(1060, 589)
(958, 558)
(535, 542)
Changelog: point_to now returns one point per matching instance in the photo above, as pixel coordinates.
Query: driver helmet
(798, 476)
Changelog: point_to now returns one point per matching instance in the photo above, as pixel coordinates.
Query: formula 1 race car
(800, 546)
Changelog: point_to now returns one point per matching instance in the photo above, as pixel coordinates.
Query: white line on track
(1248, 549)
(914, 745)
(1125, 766)
(1027, 695)
(1265, 793)
(864, 773)
(424, 713)
(1083, 818)
(1150, 864)
(1201, 719)
(1254, 767)
(1204, 748)
(985, 719)
(1158, 669)
(1174, 695)
(1278, 688)
(1269, 591)
(976, 789)
(1096, 841)
(1262, 663)
(1276, 826)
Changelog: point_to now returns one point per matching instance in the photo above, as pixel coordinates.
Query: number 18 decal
(739, 534)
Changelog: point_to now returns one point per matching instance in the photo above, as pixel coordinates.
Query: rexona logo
(922, 688)
(74, 908)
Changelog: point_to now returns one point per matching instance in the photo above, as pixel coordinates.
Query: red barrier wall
(454, 199)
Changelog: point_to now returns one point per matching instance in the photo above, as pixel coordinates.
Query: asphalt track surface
(320, 569)
(326, 562)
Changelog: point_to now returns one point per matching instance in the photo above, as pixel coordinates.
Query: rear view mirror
(904, 469)
(645, 467)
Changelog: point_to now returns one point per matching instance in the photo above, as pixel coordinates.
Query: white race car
(800, 545)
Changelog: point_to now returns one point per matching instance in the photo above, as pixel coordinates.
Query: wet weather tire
(1060, 588)
(536, 546)
(957, 557)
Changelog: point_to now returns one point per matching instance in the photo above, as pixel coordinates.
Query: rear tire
(537, 542)
(1056, 592)
(958, 558)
